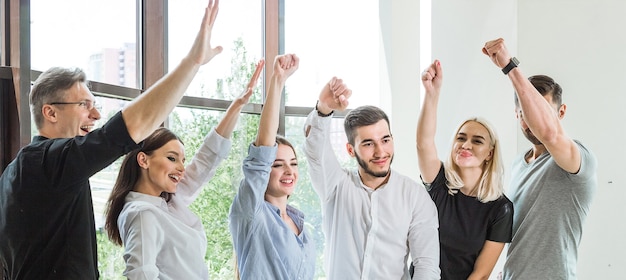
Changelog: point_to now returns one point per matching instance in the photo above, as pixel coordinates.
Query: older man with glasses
(47, 228)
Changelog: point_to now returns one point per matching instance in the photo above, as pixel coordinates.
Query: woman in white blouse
(148, 212)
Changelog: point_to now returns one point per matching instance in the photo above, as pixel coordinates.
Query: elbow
(424, 145)
(547, 136)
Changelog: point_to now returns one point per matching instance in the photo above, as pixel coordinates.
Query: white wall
(582, 44)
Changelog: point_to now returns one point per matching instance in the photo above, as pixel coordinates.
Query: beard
(368, 170)
(531, 137)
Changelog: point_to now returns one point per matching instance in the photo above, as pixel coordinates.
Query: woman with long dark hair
(148, 212)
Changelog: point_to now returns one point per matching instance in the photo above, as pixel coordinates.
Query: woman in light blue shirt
(148, 212)
(268, 234)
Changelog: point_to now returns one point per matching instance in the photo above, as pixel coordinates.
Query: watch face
(512, 64)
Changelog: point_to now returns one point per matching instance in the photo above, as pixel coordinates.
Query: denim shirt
(266, 247)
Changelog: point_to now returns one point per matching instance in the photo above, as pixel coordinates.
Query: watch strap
(512, 64)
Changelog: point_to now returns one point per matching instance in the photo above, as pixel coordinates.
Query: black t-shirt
(464, 225)
(47, 228)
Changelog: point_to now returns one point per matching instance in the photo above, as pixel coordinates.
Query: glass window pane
(238, 29)
(78, 33)
(335, 46)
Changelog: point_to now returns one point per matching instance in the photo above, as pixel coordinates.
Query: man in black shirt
(47, 228)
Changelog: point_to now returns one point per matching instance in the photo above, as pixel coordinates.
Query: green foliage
(213, 203)
(110, 257)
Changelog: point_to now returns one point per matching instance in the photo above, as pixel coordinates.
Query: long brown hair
(127, 179)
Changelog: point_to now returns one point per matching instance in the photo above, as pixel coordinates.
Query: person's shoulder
(504, 199)
(504, 202)
(407, 184)
(582, 147)
(398, 177)
(139, 213)
(136, 206)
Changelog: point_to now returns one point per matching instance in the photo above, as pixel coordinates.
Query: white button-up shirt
(370, 233)
(165, 240)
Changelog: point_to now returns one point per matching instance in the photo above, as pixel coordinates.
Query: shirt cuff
(218, 144)
(264, 153)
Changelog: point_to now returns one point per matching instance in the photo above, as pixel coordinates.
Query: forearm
(146, 112)
(478, 276)
(427, 122)
(486, 260)
(226, 126)
(425, 137)
(203, 165)
(540, 116)
(268, 125)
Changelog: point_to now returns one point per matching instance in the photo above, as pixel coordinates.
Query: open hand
(201, 51)
(245, 96)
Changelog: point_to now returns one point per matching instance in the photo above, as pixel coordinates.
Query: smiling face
(162, 170)
(284, 173)
(373, 150)
(472, 146)
(70, 120)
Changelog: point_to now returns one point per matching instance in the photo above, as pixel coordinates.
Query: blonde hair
(491, 184)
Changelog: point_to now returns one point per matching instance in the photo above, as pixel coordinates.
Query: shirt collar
(154, 200)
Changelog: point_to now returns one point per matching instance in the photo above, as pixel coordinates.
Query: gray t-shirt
(550, 205)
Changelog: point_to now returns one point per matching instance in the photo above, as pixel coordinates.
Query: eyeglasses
(87, 104)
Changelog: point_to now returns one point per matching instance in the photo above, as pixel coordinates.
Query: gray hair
(50, 86)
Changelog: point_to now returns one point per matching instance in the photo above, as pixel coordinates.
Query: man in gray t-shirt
(552, 184)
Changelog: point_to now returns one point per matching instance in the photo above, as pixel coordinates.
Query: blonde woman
(475, 217)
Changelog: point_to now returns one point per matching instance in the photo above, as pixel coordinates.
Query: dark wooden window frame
(16, 75)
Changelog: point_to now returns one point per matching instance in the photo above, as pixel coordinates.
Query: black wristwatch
(512, 64)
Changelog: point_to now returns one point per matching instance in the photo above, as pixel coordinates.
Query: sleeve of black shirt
(501, 228)
(72, 159)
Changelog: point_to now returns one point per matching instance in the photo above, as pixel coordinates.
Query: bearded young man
(374, 218)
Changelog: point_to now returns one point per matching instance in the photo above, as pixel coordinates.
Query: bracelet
(320, 113)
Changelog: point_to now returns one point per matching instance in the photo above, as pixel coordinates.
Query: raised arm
(284, 66)
(429, 162)
(215, 147)
(257, 166)
(227, 124)
(144, 114)
(542, 118)
(333, 97)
